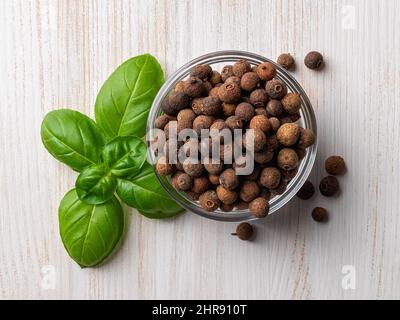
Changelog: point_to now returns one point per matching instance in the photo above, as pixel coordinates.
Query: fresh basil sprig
(91, 218)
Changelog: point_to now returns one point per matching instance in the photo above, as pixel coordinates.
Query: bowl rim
(307, 113)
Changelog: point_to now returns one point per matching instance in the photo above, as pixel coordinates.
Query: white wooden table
(58, 53)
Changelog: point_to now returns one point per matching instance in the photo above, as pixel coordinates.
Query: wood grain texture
(58, 53)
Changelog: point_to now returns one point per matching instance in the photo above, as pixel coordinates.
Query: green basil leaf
(72, 138)
(145, 193)
(124, 101)
(90, 232)
(96, 184)
(124, 155)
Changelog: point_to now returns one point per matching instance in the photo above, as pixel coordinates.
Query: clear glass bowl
(217, 60)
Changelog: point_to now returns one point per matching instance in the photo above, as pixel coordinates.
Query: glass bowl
(217, 60)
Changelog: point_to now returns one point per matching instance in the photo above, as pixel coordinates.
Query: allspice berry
(335, 165)
(320, 214)
(249, 191)
(286, 61)
(275, 89)
(241, 67)
(178, 101)
(192, 168)
(209, 200)
(228, 109)
(306, 139)
(288, 134)
(244, 231)
(182, 181)
(249, 81)
(244, 111)
(270, 177)
(291, 103)
(163, 167)
(275, 123)
(234, 122)
(259, 98)
(306, 191)
(179, 86)
(209, 106)
(228, 179)
(185, 119)
(229, 93)
(214, 179)
(202, 122)
(225, 195)
(329, 186)
(226, 72)
(274, 108)
(288, 159)
(266, 71)
(261, 111)
(260, 122)
(259, 140)
(314, 60)
(200, 185)
(264, 156)
(215, 77)
(234, 80)
(166, 107)
(272, 143)
(162, 121)
(213, 168)
(194, 87)
(259, 207)
(214, 92)
(201, 71)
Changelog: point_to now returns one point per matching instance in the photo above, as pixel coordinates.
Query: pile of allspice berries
(241, 96)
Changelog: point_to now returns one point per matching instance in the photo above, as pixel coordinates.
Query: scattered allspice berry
(335, 165)
(306, 191)
(329, 186)
(314, 60)
(259, 207)
(286, 61)
(320, 214)
(244, 231)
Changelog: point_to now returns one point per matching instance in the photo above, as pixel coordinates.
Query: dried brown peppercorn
(202, 122)
(219, 125)
(259, 207)
(244, 111)
(291, 103)
(288, 159)
(266, 71)
(286, 61)
(178, 101)
(241, 67)
(226, 72)
(320, 214)
(314, 60)
(194, 87)
(202, 71)
(182, 181)
(254, 175)
(274, 108)
(213, 168)
(192, 168)
(234, 122)
(259, 140)
(214, 179)
(288, 134)
(162, 121)
(260, 122)
(272, 143)
(166, 107)
(244, 231)
(306, 139)
(228, 179)
(200, 185)
(275, 89)
(306, 191)
(209, 200)
(259, 98)
(226, 196)
(335, 165)
(163, 167)
(207, 86)
(249, 191)
(228, 109)
(214, 92)
(261, 112)
(285, 118)
(215, 77)
(275, 123)
(329, 186)
(249, 81)
(233, 79)
(229, 93)
(185, 119)
(179, 86)
(209, 106)
(264, 156)
(192, 195)
(270, 177)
